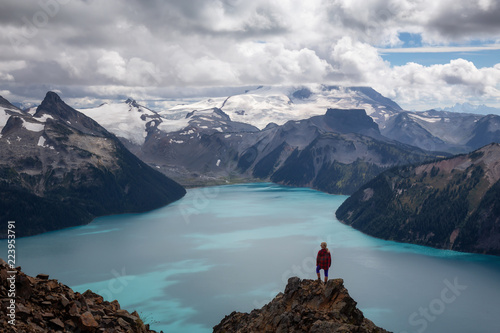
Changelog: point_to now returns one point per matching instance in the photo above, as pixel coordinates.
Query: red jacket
(324, 259)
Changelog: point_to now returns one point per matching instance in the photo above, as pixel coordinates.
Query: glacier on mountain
(279, 104)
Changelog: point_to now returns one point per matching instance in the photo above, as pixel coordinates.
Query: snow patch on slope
(173, 125)
(426, 119)
(122, 119)
(41, 141)
(4, 116)
(201, 105)
(34, 127)
(44, 118)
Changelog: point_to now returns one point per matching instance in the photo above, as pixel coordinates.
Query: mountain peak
(51, 97)
(69, 169)
(305, 306)
(351, 121)
(359, 113)
(53, 105)
(132, 102)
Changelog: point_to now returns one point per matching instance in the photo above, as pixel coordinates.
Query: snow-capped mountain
(471, 108)
(260, 107)
(268, 132)
(127, 120)
(448, 131)
(59, 168)
(278, 105)
(334, 152)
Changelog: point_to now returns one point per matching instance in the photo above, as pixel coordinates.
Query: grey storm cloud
(156, 48)
(463, 19)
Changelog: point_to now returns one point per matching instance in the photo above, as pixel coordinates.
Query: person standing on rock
(323, 261)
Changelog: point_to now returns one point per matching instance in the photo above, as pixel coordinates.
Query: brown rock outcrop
(305, 306)
(45, 305)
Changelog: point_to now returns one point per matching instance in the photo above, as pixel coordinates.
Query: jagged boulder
(45, 305)
(305, 306)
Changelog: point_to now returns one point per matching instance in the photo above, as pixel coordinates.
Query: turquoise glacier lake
(229, 248)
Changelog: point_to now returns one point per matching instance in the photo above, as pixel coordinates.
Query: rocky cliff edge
(45, 305)
(305, 306)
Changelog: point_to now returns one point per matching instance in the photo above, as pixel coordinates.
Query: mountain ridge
(443, 130)
(449, 203)
(440, 131)
(471, 108)
(59, 168)
(214, 147)
(216, 141)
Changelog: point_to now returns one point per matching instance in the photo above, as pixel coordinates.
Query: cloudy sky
(421, 53)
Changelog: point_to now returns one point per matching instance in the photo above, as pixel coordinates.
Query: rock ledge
(45, 305)
(305, 306)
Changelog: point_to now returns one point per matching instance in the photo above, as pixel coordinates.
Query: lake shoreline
(227, 237)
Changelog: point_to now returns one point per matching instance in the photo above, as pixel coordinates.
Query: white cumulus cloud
(124, 46)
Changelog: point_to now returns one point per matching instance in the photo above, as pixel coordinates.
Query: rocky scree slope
(305, 306)
(45, 305)
(59, 168)
(451, 203)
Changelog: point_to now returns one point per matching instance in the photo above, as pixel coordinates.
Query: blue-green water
(219, 249)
